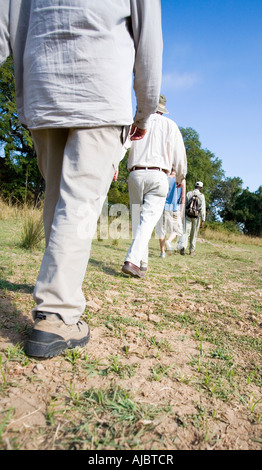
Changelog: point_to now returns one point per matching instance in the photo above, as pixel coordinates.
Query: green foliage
(19, 176)
(247, 210)
(228, 226)
(20, 180)
(239, 207)
(203, 165)
(225, 196)
(118, 192)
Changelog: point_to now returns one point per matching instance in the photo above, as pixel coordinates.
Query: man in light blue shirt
(171, 219)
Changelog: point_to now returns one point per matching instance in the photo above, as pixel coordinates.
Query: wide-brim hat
(162, 105)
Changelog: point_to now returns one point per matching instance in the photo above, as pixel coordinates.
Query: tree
(224, 197)
(20, 179)
(118, 192)
(239, 207)
(247, 210)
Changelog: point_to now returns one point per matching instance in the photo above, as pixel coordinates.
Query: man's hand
(136, 133)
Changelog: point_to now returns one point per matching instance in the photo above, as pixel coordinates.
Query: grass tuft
(32, 231)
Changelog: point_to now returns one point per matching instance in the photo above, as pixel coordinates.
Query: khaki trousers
(191, 228)
(78, 166)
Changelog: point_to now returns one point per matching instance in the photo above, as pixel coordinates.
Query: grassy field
(174, 360)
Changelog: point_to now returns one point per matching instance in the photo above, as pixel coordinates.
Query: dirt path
(174, 361)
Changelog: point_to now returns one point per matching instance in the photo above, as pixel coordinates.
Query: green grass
(174, 360)
(109, 419)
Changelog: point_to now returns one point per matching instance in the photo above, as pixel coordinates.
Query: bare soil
(185, 342)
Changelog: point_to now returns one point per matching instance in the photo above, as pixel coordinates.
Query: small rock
(154, 318)
(38, 368)
(93, 305)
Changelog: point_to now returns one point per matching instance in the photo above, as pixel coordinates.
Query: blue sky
(212, 77)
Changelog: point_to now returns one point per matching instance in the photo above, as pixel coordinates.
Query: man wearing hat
(192, 223)
(150, 162)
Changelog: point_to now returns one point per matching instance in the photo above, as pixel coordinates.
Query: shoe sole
(43, 344)
(131, 272)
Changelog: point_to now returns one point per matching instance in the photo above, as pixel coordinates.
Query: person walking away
(76, 102)
(195, 216)
(171, 219)
(150, 162)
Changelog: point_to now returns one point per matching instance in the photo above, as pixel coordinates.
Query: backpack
(193, 207)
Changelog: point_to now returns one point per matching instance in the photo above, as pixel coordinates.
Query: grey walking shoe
(51, 336)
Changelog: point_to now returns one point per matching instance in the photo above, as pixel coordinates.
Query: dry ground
(174, 360)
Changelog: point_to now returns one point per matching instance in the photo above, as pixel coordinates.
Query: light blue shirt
(173, 196)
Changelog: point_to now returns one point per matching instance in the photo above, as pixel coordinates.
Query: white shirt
(74, 60)
(162, 147)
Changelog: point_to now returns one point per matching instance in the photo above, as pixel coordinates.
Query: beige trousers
(78, 167)
(191, 228)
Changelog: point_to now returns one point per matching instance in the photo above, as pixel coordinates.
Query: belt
(148, 168)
